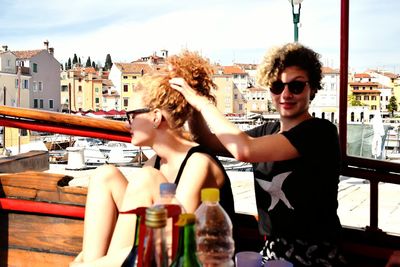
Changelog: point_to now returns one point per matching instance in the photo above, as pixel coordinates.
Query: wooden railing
(70, 124)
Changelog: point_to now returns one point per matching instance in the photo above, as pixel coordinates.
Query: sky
(225, 31)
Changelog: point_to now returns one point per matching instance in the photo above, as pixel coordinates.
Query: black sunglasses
(130, 115)
(295, 87)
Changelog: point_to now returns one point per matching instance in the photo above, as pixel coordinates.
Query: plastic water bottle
(215, 245)
(167, 196)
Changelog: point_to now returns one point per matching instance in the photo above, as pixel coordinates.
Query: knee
(105, 175)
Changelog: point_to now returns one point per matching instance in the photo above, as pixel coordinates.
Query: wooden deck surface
(39, 239)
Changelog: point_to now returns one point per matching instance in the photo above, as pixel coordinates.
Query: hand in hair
(196, 100)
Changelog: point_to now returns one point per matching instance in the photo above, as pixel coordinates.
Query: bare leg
(105, 194)
(140, 193)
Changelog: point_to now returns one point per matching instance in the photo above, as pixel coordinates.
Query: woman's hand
(194, 99)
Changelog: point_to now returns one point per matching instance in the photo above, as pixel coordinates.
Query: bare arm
(239, 144)
(198, 126)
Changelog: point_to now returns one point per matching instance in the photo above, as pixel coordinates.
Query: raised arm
(202, 134)
(239, 144)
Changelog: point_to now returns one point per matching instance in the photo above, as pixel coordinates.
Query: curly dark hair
(190, 66)
(291, 54)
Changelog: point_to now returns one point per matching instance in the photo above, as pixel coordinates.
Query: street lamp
(296, 6)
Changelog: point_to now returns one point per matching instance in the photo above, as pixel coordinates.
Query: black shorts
(303, 253)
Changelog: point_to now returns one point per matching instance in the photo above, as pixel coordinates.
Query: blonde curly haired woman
(158, 122)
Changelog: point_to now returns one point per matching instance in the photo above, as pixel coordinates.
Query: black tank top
(226, 196)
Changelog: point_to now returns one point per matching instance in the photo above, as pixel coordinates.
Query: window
(366, 97)
(34, 67)
(126, 102)
(125, 88)
(373, 97)
(16, 83)
(125, 77)
(51, 104)
(80, 88)
(373, 107)
(40, 87)
(41, 103)
(34, 87)
(64, 88)
(96, 90)
(26, 84)
(35, 103)
(358, 97)
(97, 100)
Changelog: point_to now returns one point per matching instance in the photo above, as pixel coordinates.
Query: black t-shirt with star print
(297, 198)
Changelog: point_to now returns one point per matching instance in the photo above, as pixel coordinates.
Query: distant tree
(392, 105)
(61, 67)
(75, 59)
(66, 66)
(88, 62)
(94, 65)
(108, 63)
(354, 102)
(69, 64)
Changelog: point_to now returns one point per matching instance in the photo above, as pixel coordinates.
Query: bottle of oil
(155, 249)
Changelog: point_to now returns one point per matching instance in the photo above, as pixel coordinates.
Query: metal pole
(296, 20)
(4, 127)
(19, 105)
(296, 32)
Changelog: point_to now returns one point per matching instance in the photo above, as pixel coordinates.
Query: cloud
(222, 30)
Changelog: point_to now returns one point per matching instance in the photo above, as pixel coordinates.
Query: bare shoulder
(201, 158)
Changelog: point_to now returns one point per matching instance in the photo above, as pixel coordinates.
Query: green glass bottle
(186, 254)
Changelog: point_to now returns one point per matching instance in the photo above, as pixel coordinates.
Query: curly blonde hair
(158, 93)
(291, 54)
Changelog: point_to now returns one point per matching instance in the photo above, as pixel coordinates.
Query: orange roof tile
(133, 67)
(233, 70)
(362, 75)
(257, 89)
(366, 91)
(27, 53)
(363, 84)
(329, 70)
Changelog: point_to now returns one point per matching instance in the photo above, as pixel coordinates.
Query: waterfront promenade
(353, 197)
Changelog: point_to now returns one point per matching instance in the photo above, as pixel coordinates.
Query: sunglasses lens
(277, 87)
(296, 87)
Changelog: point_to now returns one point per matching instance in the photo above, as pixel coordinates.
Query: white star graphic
(274, 188)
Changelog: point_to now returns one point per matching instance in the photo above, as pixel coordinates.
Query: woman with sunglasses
(296, 161)
(158, 122)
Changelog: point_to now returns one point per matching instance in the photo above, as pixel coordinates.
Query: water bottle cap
(186, 218)
(210, 194)
(167, 188)
(156, 217)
